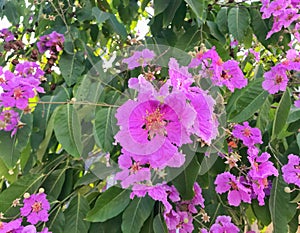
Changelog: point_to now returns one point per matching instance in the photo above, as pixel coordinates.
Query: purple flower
(275, 79)
(139, 58)
(172, 219)
(53, 42)
(237, 191)
(153, 129)
(248, 135)
(36, 208)
(291, 171)
(293, 59)
(206, 123)
(132, 171)
(223, 224)
(297, 103)
(7, 35)
(185, 224)
(9, 120)
(157, 192)
(232, 76)
(259, 187)
(11, 227)
(29, 229)
(261, 167)
(180, 77)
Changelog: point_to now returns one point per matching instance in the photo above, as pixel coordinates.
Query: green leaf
(198, 7)
(238, 22)
(112, 202)
(136, 214)
(54, 183)
(214, 31)
(263, 118)
(298, 140)
(221, 20)
(100, 16)
(67, 129)
(44, 145)
(112, 226)
(251, 108)
(169, 13)
(159, 225)
(117, 27)
(71, 66)
(294, 115)
(185, 181)
(281, 114)
(75, 214)
(104, 123)
(148, 225)
(160, 6)
(241, 98)
(11, 147)
(56, 221)
(262, 213)
(281, 209)
(29, 183)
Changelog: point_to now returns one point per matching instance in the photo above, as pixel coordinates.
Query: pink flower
(157, 192)
(11, 227)
(247, 134)
(223, 224)
(35, 208)
(9, 120)
(232, 76)
(206, 123)
(291, 171)
(53, 42)
(139, 58)
(185, 224)
(7, 35)
(29, 229)
(153, 130)
(297, 103)
(132, 171)
(275, 79)
(180, 77)
(237, 191)
(261, 167)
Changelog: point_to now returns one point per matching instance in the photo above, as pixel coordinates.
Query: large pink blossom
(275, 79)
(291, 171)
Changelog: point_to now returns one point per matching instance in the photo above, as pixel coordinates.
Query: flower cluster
(15, 91)
(53, 42)
(178, 218)
(154, 126)
(35, 210)
(291, 171)
(223, 224)
(284, 12)
(226, 73)
(254, 184)
(276, 79)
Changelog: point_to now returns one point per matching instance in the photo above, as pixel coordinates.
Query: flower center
(278, 79)
(37, 206)
(247, 132)
(154, 123)
(135, 167)
(225, 75)
(233, 185)
(18, 93)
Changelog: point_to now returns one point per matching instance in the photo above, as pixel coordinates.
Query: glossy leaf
(221, 20)
(198, 7)
(67, 129)
(136, 214)
(238, 22)
(281, 114)
(159, 225)
(75, 214)
(281, 209)
(109, 204)
(104, 124)
(71, 66)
